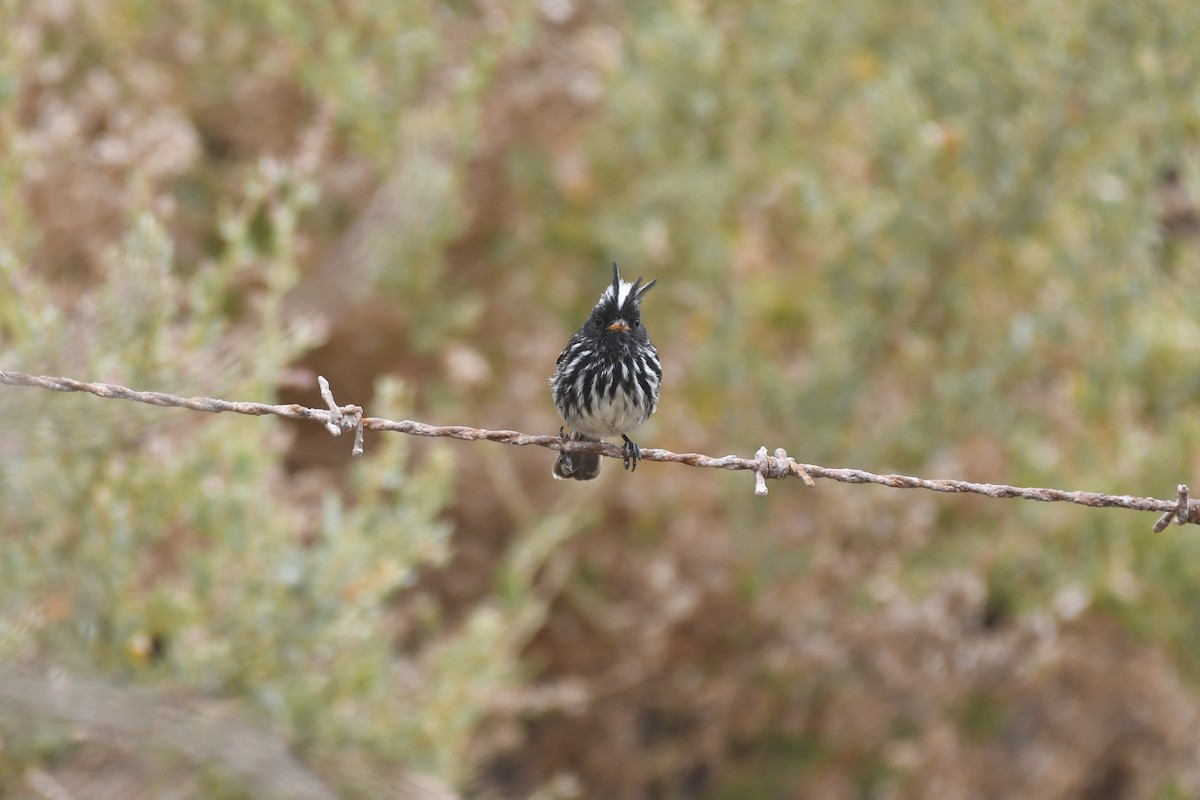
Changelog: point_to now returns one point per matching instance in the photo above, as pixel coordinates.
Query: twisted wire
(1181, 510)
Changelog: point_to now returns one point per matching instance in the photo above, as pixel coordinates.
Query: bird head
(618, 312)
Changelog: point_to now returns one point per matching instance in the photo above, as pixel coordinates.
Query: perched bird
(607, 378)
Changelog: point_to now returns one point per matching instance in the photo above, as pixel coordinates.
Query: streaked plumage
(607, 378)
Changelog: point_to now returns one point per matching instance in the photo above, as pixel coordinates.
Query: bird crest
(621, 293)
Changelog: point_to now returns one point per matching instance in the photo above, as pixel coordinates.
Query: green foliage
(903, 238)
(928, 239)
(172, 556)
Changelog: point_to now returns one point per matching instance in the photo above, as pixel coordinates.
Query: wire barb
(342, 417)
(334, 425)
(779, 467)
(794, 468)
(760, 473)
(763, 466)
(1181, 514)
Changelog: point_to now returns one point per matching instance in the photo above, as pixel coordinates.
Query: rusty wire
(350, 417)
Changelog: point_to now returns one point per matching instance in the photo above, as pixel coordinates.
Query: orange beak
(618, 326)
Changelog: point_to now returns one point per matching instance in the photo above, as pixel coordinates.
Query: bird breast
(610, 416)
(610, 400)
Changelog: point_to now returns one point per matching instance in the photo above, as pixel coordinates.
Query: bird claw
(632, 454)
(564, 467)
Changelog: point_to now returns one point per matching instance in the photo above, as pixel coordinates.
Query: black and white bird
(607, 378)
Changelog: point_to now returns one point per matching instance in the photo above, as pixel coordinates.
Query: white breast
(611, 417)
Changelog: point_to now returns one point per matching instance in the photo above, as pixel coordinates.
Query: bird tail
(577, 466)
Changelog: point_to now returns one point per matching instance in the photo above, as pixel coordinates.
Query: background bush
(956, 240)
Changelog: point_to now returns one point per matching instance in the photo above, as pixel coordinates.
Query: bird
(606, 380)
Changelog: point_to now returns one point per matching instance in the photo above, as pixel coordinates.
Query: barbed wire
(337, 419)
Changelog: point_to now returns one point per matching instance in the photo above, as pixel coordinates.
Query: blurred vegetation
(957, 240)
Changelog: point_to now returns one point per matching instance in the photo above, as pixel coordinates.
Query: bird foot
(632, 454)
(564, 467)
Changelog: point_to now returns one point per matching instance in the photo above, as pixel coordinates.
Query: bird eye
(637, 323)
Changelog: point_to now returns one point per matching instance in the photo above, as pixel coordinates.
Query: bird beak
(619, 325)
